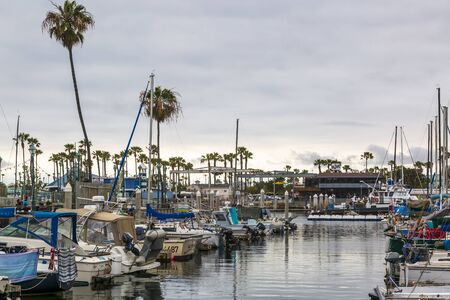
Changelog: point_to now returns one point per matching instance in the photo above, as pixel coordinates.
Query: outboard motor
(253, 234)
(127, 240)
(153, 244)
(261, 229)
(230, 241)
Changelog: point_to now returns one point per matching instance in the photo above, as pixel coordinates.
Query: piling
(199, 199)
(138, 203)
(286, 205)
(315, 202)
(261, 198)
(320, 202)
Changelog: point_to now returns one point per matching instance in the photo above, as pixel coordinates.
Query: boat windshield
(39, 229)
(99, 232)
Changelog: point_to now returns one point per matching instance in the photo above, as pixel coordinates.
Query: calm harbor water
(323, 260)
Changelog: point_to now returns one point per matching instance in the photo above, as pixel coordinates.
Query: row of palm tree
(67, 24)
(366, 156)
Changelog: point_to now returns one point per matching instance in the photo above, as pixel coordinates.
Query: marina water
(322, 260)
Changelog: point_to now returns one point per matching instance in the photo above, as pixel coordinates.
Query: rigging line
(384, 159)
(412, 159)
(6, 121)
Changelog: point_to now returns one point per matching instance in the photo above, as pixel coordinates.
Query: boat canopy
(151, 212)
(103, 227)
(45, 225)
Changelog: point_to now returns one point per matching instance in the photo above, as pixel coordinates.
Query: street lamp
(32, 150)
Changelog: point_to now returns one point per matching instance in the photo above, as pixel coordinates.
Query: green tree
(318, 163)
(135, 151)
(366, 156)
(346, 168)
(166, 108)
(67, 24)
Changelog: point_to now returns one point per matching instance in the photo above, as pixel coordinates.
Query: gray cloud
(329, 77)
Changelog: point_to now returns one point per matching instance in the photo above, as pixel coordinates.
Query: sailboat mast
(401, 153)
(436, 156)
(395, 155)
(439, 139)
(431, 158)
(17, 152)
(428, 159)
(445, 149)
(149, 176)
(235, 161)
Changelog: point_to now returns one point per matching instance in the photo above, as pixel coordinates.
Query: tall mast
(17, 152)
(436, 153)
(445, 149)
(395, 155)
(401, 154)
(235, 160)
(431, 157)
(428, 159)
(149, 176)
(440, 147)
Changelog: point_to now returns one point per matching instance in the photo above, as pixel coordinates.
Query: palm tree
(189, 166)
(319, 163)
(366, 156)
(346, 168)
(173, 165)
(116, 162)
(287, 168)
(208, 157)
(67, 24)
(166, 108)
(23, 137)
(135, 151)
(105, 156)
(97, 155)
(215, 157)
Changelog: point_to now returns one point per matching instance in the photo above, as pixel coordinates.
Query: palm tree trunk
(98, 167)
(80, 115)
(159, 162)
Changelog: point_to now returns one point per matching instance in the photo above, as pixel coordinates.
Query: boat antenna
(401, 154)
(122, 161)
(440, 147)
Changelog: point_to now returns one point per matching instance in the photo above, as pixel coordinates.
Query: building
(343, 185)
(221, 191)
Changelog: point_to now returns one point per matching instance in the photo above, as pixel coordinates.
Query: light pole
(32, 150)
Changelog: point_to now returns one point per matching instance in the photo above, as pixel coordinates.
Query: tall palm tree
(366, 156)
(173, 165)
(319, 163)
(116, 162)
(346, 168)
(67, 24)
(166, 108)
(181, 162)
(215, 158)
(105, 156)
(97, 155)
(135, 151)
(189, 166)
(23, 137)
(208, 157)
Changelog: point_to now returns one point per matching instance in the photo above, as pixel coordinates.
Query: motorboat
(37, 252)
(114, 235)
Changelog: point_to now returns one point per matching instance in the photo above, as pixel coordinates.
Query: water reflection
(331, 260)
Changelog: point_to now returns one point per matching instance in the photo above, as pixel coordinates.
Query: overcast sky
(307, 79)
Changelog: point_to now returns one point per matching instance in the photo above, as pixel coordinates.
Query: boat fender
(51, 265)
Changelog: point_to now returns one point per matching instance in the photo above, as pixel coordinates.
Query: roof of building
(347, 175)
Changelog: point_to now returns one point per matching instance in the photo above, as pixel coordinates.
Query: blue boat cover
(233, 215)
(7, 212)
(19, 267)
(163, 216)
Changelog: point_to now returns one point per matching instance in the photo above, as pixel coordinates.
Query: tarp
(233, 215)
(19, 267)
(7, 212)
(163, 216)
